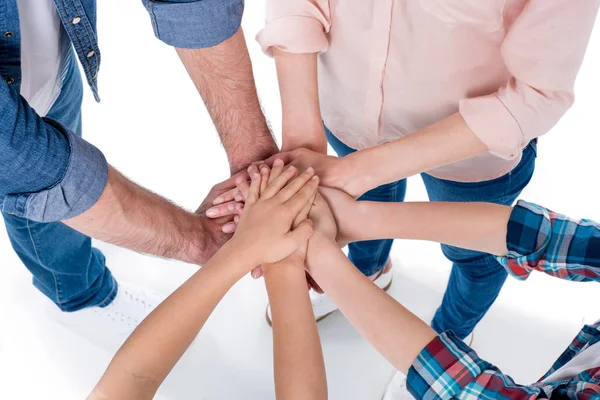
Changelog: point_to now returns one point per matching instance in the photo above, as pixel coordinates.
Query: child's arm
(527, 237)
(263, 235)
(474, 226)
(298, 358)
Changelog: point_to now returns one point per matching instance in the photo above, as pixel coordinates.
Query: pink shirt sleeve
(296, 26)
(543, 52)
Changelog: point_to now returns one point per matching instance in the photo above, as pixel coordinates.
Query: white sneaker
(322, 304)
(108, 327)
(397, 390)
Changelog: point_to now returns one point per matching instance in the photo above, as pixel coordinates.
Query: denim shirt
(48, 173)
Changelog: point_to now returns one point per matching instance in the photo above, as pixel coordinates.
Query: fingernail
(264, 170)
(310, 170)
(256, 176)
(314, 178)
(239, 180)
(278, 163)
(212, 212)
(228, 228)
(218, 200)
(239, 197)
(230, 207)
(254, 274)
(239, 206)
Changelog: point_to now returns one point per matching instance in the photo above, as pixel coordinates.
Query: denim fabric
(65, 266)
(195, 24)
(476, 278)
(49, 173)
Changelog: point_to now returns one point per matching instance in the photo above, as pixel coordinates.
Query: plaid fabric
(537, 239)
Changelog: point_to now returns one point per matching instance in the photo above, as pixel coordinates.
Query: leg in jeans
(370, 256)
(476, 278)
(65, 266)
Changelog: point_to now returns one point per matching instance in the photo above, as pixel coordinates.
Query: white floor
(152, 126)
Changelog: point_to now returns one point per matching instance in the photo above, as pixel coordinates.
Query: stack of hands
(261, 184)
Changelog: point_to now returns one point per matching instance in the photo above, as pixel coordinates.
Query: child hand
(265, 230)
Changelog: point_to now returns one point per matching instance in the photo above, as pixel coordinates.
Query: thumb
(301, 233)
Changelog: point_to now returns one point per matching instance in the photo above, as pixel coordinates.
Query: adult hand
(332, 171)
(218, 223)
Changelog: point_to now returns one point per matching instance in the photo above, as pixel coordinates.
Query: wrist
(261, 148)
(309, 136)
(349, 176)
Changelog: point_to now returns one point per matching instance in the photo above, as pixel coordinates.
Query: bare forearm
(130, 216)
(475, 226)
(153, 349)
(223, 76)
(397, 333)
(298, 86)
(448, 140)
(298, 358)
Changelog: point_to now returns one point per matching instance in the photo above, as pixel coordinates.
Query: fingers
(303, 214)
(229, 227)
(276, 170)
(243, 187)
(264, 172)
(305, 196)
(224, 210)
(257, 272)
(279, 182)
(301, 234)
(254, 191)
(230, 195)
(295, 186)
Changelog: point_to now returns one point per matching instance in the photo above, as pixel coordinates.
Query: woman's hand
(266, 229)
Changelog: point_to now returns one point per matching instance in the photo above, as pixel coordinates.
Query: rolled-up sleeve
(193, 24)
(543, 51)
(48, 173)
(296, 26)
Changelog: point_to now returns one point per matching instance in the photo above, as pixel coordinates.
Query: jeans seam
(106, 300)
(37, 254)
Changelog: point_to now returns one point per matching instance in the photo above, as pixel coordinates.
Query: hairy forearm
(130, 216)
(447, 141)
(223, 76)
(474, 226)
(398, 334)
(298, 358)
(298, 87)
(153, 349)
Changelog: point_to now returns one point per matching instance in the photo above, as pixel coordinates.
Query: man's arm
(223, 76)
(298, 358)
(130, 216)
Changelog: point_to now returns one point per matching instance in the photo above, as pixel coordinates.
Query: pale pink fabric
(388, 68)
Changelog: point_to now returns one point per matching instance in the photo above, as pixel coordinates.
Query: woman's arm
(301, 115)
(298, 358)
(264, 235)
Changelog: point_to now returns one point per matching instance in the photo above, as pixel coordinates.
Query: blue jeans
(476, 278)
(65, 266)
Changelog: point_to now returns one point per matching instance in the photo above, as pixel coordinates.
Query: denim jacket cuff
(195, 24)
(79, 189)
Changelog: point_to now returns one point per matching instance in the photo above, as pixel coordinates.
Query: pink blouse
(388, 68)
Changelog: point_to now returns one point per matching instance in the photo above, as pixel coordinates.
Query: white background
(152, 126)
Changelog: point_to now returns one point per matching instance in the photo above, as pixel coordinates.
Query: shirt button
(8, 34)
(10, 80)
(90, 53)
(76, 20)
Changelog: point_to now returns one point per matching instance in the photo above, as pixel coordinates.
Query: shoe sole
(322, 317)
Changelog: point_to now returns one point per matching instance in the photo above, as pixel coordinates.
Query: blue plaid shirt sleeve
(193, 24)
(538, 240)
(541, 240)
